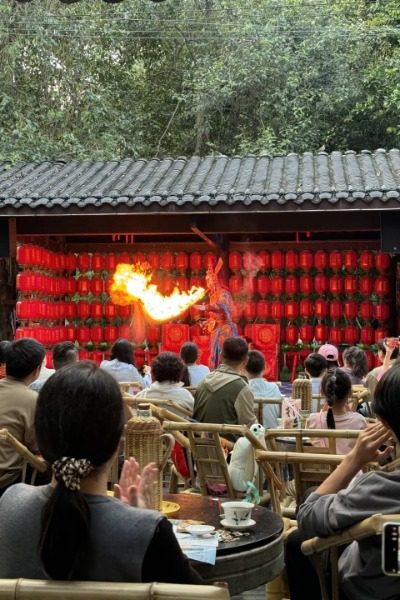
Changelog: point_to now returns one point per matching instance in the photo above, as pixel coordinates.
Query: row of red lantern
(307, 284)
(53, 311)
(350, 334)
(29, 255)
(306, 260)
(30, 282)
(307, 309)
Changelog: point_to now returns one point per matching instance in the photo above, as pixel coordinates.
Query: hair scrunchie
(71, 471)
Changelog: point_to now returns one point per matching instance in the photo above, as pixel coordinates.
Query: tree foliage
(91, 80)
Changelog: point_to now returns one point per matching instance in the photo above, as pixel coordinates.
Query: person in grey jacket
(336, 505)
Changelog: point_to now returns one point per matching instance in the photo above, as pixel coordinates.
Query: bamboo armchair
(361, 395)
(126, 386)
(37, 463)
(303, 438)
(315, 547)
(260, 402)
(133, 403)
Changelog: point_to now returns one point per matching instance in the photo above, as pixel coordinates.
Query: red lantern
(382, 285)
(306, 260)
(83, 262)
(381, 311)
(249, 284)
(291, 334)
(70, 310)
(83, 309)
(351, 334)
(366, 285)
(291, 285)
(291, 310)
(110, 333)
(23, 281)
(23, 310)
(276, 260)
(321, 260)
(335, 309)
(306, 309)
(250, 261)
(336, 285)
(367, 336)
(182, 261)
(96, 310)
(335, 336)
(125, 331)
(235, 284)
(250, 310)
(24, 255)
(139, 258)
(382, 262)
(321, 284)
(154, 260)
(124, 312)
(306, 333)
(111, 262)
(235, 261)
(182, 283)
(96, 334)
(350, 260)
(209, 260)
(153, 334)
(321, 333)
(70, 262)
(167, 261)
(306, 284)
(97, 356)
(277, 285)
(263, 310)
(196, 281)
(124, 258)
(277, 310)
(381, 333)
(350, 284)
(70, 333)
(366, 260)
(83, 286)
(335, 260)
(195, 261)
(291, 260)
(97, 286)
(109, 310)
(168, 284)
(263, 285)
(366, 310)
(264, 261)
(236, 311)
(321, 308)
(350, 309)
(83, 334)
(84, 354)
(98, 262)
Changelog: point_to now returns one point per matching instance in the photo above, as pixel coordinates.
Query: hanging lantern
(235, 261)
(83, 286)
(124, 258)
(321, 284)
(335, 309)
(380, 334)
(335, 285)
(263, 285)
(381, 311)
(291, 310)
(336, 336)
(195, 262)
(350, 260)
(96, 310)
(70, 262)
(350, 309)
(277, 285)
(250, 310)
(366, 260)
(83, 334)
(109, 310)
(139, 258)
(96, 286)
(321, 333)
(366, 310)
(24, 256)
(209, 260)
(182, 283)
(277, 260)
(382, 262)
(70, 310)
(249, 284)
(306, 283)
(23, 310)
(350, 285)
(197, 281)
(351, 334)
(124, 312)
(250, 261)
(110, 262)
(277, 310)
(291, 260)
(82, 261)
(154, 260)
(321, 308)
(321, 260)
(306, 309)
(96, 334)
(153, 334)
(306, 260)
(382, 285)
(70, 333)
(23, 281)
(167, 261)
(291, 334)
(182, 261)
(235, 284)
(291, 285)
(98, 262)
(263, 310)
(306, 333)
(125, 332)
(366, 285)
(264, 261)
(83, 309)
(236, 311)
(367, 335)
(335, 260)
(110, 333)
(168, 284)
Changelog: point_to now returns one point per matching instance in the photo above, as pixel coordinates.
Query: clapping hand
(135, 488)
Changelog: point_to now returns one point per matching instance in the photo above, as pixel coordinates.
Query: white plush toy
(243, 467)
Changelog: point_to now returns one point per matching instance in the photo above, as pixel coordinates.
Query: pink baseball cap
(329, 352)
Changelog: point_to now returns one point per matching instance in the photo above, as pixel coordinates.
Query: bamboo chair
(361, 395)
(320, 400)
(127, 386)
(133, 403)
(38, 464)
(39, 589)
(259, 405)
(315, 548)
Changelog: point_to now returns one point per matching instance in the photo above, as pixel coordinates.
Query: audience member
(3, 349)
(44, 374)
(261, 388)
(167, 370)
(24, 358)
(122, 364)
(224, 395)
(388, 357)
(189, 354)
(71, 529)
(64, 353)
(330, 353)
(315, 367)
(336, 389)
(336, 505)
(355, 364)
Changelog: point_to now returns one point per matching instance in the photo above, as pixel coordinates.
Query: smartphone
(391, 549)
(392, 342)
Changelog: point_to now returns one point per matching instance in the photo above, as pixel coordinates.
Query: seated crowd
(67, 527)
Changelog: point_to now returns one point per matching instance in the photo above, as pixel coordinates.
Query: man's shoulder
(17, 390)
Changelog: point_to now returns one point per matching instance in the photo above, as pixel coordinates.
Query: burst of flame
(131, 283)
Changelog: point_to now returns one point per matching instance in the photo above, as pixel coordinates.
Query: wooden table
(247, 562)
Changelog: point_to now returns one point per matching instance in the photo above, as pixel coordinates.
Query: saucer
(241, 527)
(200, 530)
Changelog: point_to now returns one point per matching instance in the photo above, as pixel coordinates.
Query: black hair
(234, 350)
(23, 357)
(335, 387)
(185, 377)
(79, 415)
(381, 347)
(64, 353)
(122, 350)
(386, 399)
(4, 345)
(167, 366)
(255, 363)
(189, 353)
(315, 364)
(356, 359)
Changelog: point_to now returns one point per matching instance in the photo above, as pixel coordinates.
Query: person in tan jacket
(24, 358)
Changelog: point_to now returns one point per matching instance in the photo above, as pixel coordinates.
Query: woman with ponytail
(336, 414)
(71, 529)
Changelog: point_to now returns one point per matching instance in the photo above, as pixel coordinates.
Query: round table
(247, 562)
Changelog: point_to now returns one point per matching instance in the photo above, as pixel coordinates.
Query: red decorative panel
(174, 335)
(265, 337)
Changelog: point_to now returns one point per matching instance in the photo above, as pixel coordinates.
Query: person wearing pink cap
(331, 354)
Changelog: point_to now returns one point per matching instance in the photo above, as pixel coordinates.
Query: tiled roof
(292, 182)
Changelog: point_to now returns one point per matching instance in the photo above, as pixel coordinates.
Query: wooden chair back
(260, 402)
(37, 463)
(133, 402)
(129, 386)
(361, 396)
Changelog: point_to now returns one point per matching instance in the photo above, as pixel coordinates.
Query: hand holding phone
(391, 549)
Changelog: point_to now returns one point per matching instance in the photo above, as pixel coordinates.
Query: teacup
(237, 513)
